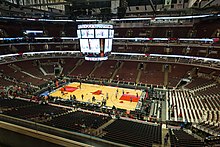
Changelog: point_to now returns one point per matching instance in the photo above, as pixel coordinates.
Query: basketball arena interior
(110, 73)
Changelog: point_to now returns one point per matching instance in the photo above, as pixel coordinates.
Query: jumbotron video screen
(95, 40)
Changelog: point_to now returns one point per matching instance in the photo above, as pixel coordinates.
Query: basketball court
(123, 98)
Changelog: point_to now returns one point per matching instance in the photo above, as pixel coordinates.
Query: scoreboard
(95, 40)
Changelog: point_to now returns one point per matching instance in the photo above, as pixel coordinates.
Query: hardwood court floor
(88, 89)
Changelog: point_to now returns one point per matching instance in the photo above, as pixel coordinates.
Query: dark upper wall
(14, 28)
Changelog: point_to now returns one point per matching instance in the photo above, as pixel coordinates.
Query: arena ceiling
(100, 8)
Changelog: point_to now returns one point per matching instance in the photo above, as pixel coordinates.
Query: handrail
(78, 137)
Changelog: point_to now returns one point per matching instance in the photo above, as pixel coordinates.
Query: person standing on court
(107, 95)
(82, 96)
(130, 99)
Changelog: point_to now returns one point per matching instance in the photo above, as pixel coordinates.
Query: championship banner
(180, 4)
(167, 4)
(114, 6)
